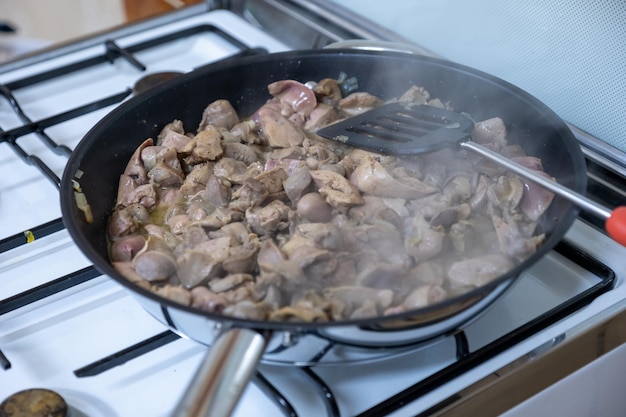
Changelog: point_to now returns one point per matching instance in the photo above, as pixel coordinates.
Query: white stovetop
(46, 341)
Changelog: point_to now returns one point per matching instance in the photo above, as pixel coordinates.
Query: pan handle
(223, 374)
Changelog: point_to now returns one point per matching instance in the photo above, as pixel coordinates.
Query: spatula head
(402, 129)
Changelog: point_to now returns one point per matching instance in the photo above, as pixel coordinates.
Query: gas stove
(67, 328)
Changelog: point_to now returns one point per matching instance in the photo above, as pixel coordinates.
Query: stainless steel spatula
(404, 129)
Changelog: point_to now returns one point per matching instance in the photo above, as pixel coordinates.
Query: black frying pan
(102, 155)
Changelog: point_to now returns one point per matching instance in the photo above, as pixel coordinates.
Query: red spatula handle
(616, 225)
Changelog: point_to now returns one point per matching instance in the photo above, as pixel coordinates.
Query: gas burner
(36, 402)
(150, 81)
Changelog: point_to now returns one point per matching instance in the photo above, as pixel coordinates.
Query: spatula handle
(615, 225)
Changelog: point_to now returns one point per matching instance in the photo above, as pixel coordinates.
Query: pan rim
(104, 266)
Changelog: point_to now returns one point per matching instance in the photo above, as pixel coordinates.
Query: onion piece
(83, 205)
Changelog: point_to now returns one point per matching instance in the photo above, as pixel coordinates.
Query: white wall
(569, 54)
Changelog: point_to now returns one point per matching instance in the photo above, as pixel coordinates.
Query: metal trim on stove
(317, 22)
(600, 152)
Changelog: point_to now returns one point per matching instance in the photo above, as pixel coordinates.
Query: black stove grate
(112, 52)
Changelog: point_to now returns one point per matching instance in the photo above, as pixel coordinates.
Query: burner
(152, 80)
(34, 403)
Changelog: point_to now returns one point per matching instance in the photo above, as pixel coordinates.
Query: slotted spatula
(403, 129)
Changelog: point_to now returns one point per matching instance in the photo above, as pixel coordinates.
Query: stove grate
(37, 127)
(5, 364)
(123, 356)
(49, 288)
(113, 51)
(19, 239)
(270, 390)
(332, 409)
(124, 52)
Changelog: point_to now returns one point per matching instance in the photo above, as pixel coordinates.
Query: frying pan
(237, 344)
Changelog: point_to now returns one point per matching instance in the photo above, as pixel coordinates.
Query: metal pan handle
(223, 374)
